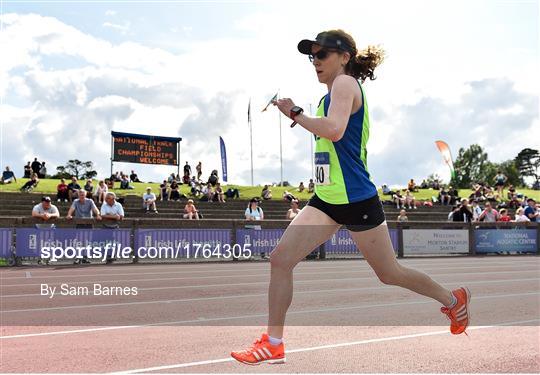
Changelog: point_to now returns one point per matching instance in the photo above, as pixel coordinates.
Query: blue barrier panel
(6, 237)
(182, 243)
(261, 241)
(505, 240)
(30, 241)
(342, 243)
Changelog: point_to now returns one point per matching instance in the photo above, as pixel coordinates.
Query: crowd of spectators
(473, 212)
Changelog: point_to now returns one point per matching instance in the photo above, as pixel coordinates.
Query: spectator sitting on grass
(386, 190)
(311, 186)
(409, 199)
(398, 199)
(62, 191)
(174, 192)
(424, 185)
(402, 217)
(110, 183)
(149, 201)
(531, 210)
(73, 188)
(504, 217)
(218, 193)
(133, 177)
(83, 208)
(208, 192)
(30, 184)
(293, 211)
(301, 187)
(520, 216)
(101, 192)
(266, 193)
(164, 191)
(190, 211)
(287, 196)
(124, 183)
(232, 192)
(45, 210)
(214, 178)
(411, 186)
(171, 178)
(8, 177)
(89, 188)
(444, 196)
(196, 188)
(27, 170)
(511, 192)
(489, 215)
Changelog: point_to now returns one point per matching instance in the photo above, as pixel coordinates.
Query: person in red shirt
(504, 215)
(62, 191)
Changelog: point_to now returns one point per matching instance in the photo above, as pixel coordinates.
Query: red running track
(188, 317)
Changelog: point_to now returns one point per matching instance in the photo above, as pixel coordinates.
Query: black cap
(45, 199)
(325, 39)
(255, 199)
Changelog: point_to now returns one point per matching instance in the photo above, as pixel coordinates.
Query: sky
(71, 71)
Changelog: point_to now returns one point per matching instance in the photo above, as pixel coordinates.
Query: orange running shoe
(459, 314)
(261, 351)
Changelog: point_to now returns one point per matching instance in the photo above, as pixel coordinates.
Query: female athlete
(344, 193)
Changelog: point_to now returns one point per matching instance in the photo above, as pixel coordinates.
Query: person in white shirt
(101, 192)
(520, 216)
(476, 210)
(294, 210)
(111, 210)
(149, 200)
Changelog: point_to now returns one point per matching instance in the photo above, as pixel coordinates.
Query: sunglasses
(320, 55)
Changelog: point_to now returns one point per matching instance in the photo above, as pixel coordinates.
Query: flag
(249, 111)
(223, 159)
(446, 154)
(270, 102)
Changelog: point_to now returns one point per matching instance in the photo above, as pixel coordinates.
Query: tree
(76, 168)
(470, 166)
(528, 162)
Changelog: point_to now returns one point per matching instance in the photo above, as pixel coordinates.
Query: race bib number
(322, 168)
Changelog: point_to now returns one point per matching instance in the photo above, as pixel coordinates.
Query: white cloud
(122, 28)
(423, 92)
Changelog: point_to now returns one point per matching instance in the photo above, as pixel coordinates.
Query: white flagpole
(250, 138)
(280, 149)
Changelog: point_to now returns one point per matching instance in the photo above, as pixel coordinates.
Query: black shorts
(357, 217)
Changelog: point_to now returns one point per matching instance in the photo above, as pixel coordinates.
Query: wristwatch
(295, 111)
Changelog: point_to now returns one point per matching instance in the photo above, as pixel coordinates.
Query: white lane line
(258, 275)
(263, 315)
(321, 347)
(28, 275)
(264, 266)
(168, 301)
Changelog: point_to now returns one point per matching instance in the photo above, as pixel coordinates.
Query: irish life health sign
(145, 149)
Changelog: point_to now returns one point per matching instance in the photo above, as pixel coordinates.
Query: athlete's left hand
(285, 105)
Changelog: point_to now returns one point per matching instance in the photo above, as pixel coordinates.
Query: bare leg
(309, 229)
(376, 246)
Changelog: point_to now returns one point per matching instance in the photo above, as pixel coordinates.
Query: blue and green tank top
(347, 158)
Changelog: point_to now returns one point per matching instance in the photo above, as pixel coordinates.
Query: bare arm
(332, 126)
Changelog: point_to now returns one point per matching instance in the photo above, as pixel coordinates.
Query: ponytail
(363, 64)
